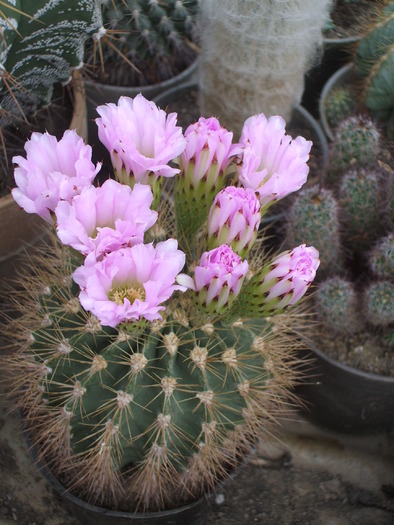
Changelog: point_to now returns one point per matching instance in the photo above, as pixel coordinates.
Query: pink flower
(217, 279)
(141, 138)
(131, 283)
(234, 219)
(291, 274)
(208, 152)
(52, 171)
(272, 163)
(104, 219)
(280, 283)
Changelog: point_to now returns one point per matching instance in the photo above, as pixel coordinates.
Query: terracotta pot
(19, 229)
(346, 399)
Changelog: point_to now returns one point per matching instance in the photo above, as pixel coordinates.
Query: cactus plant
(142, 386)
(240, 40)
(374, 65)
(155, 40)
(41, 43)
(353, 298)
(339, 104)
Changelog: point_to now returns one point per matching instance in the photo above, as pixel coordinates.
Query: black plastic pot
(345, 399)
(342, 76)
(193, 513)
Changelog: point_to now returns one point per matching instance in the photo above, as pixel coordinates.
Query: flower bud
(281, 283)
(217, 279)
(234, 219)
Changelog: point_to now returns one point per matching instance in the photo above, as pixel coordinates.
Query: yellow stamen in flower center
(130, 292)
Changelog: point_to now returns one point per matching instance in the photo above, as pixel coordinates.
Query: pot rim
(347, 368)
(328, 86)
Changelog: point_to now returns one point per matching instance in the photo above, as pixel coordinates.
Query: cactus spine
(157, 38)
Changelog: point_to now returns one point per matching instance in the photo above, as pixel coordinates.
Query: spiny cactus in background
(339, 104)
(362, 206)
(356, 140)
(356, 296)
(314, 215)
(142, 386)
(336, 303)
(157, 38)
(40, 43)
(374, 66)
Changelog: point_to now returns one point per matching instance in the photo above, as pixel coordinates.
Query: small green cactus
(374, 66)
(313, 218)
(356, 140)
(153, 36)
(379, 303)
(361, 207)
(381, 259)
(336, 302)
(339, 105)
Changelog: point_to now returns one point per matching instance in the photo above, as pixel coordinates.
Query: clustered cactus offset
(142, 386)
(348, 218)
(155, 39)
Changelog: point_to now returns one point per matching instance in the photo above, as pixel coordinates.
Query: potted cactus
(157, 339)
(350, 220)
(365, 84)
(41, 47)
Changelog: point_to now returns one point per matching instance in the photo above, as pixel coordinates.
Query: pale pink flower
(272, 163)
(217, 279)
(234, 219)
(52, 171)
(289, 276)
(209, 150)
(131, 283)
(104, 219)
(141, 138)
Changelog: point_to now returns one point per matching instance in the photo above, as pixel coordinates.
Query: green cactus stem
(313, 219)
(381, 258)
(336, 305)
(339, 104)
(143, 420)
(379, 303)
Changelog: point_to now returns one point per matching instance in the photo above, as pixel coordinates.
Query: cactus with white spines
(144, 384)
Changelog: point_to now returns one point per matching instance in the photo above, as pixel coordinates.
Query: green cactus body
(381, 259)
(374, 64)
(361, 205)
(145, 418)
(357, 140)
(313, 219)
(379, 303)
(336, 303)
(339, 105)
(41, 46)
(151, 35)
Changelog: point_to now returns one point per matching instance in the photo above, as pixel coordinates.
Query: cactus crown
(157, 38)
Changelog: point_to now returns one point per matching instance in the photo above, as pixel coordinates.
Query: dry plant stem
(254, 55)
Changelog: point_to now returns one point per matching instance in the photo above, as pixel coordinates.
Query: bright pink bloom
(52, 171)
(104, 219)
(291, 274)
(131, 283)
(272, 163)
(141, 138)
(234, 219)
(217, 279)
(209, 150)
